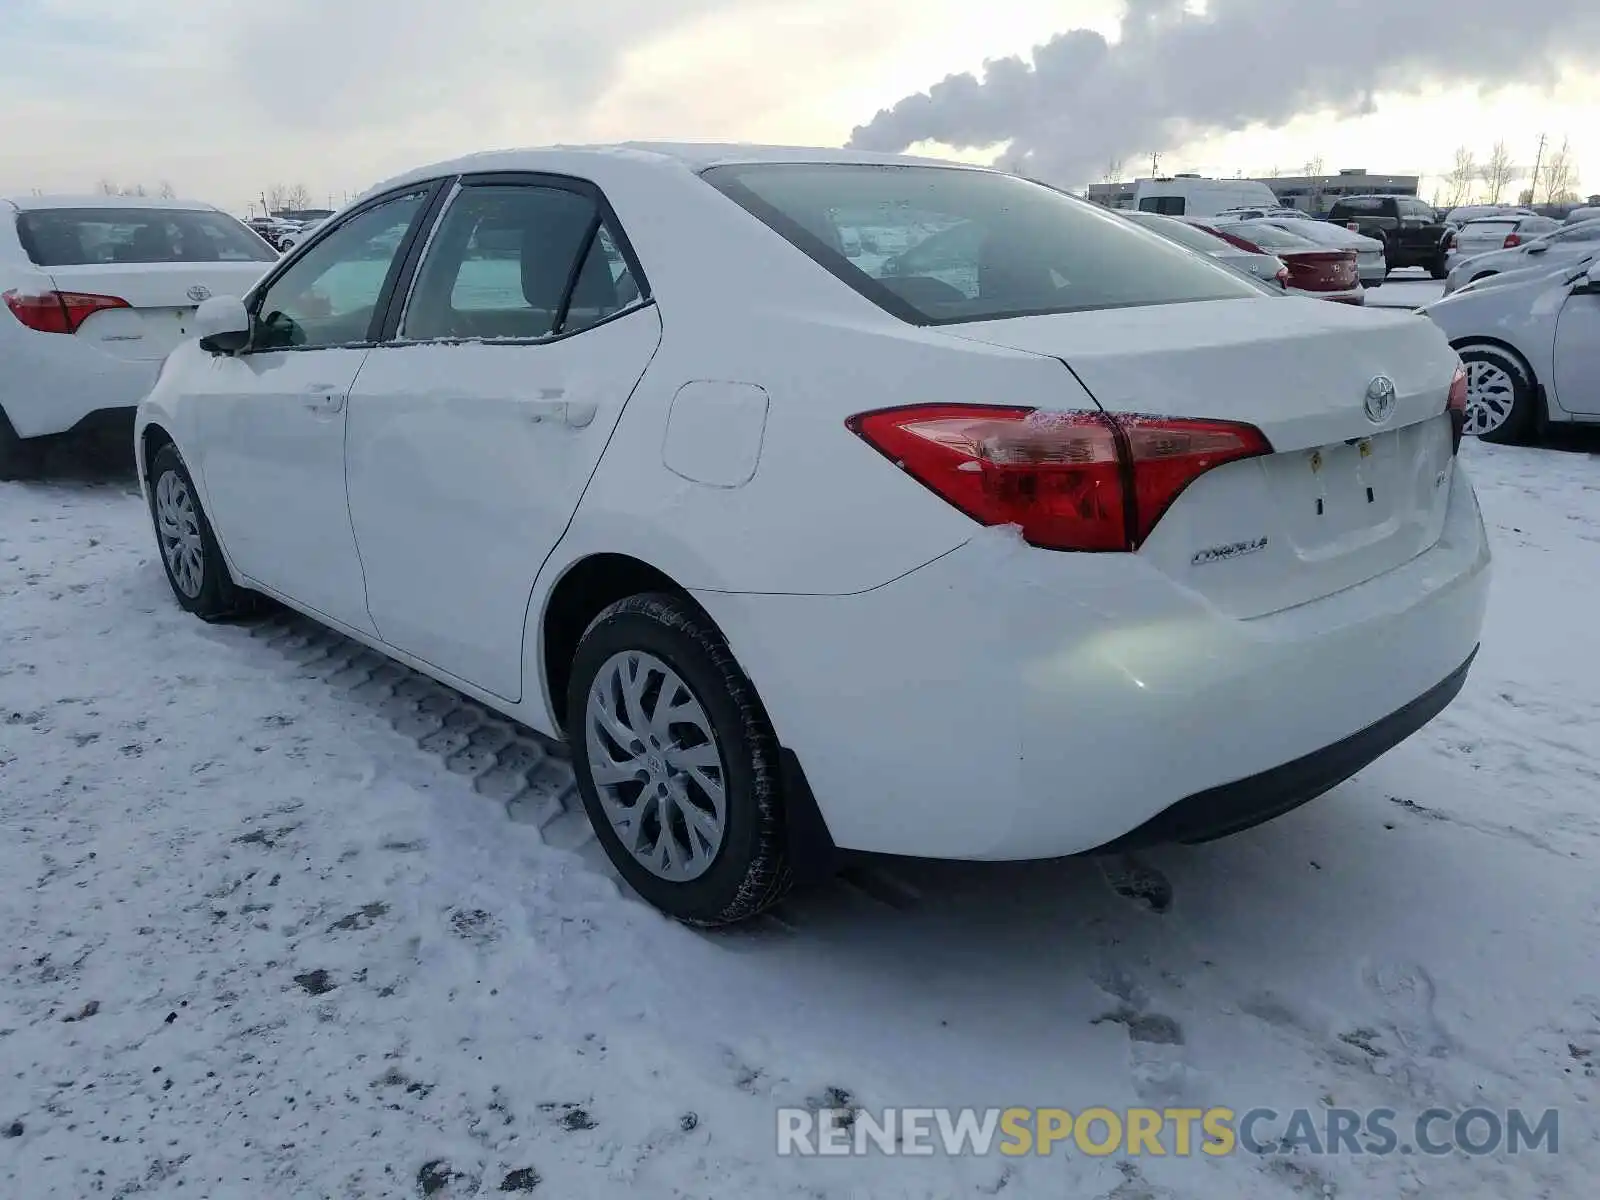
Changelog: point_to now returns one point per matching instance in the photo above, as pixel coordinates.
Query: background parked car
(293, 237)
(1462, 213)
(1566, 243)
(1531, 346)
(1371, 264)
(97, 290)
(1266, 267)
(1579, 215)
(1504, 232)
(1317, 271)
(1411, 234)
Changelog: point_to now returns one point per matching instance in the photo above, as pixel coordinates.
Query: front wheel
(677, 762)
(189, 550)
(1500, 394)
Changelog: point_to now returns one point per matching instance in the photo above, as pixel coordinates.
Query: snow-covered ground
(281, 921)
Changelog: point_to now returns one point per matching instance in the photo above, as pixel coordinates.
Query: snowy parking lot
(285, 920)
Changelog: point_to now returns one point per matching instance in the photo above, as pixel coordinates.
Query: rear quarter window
(936, 245)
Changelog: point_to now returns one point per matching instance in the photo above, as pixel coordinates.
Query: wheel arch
(1477, 339)
(151, 439)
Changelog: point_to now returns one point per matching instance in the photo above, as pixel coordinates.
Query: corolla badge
(1380, 400)
(198, 293)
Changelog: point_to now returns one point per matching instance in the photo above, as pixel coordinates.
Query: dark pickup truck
(1411, 232)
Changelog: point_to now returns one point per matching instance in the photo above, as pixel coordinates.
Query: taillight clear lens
(1070, 480)
(1456, 405)
(58, 312)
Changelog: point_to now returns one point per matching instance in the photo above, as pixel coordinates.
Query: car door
(475, 429)
(272, 418)
(1577, 351)
(1418, 234)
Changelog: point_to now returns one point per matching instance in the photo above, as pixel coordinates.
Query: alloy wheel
(178, 528)
(656, 765)
(1491, 393)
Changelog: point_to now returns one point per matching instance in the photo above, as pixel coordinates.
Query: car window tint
(1588, 231)
(73, 237)
(1167, 206)
(327, 296)
(1359, 204)
(943, 244)
(501, 266)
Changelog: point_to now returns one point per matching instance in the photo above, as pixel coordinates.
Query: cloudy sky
(226, 97)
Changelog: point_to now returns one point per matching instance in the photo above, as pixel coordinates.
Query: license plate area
(1334, 497)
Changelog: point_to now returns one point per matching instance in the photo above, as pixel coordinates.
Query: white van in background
(1192, 196)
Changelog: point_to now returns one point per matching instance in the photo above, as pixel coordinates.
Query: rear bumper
(52, 382)
(1004, 702)
(1232, 807)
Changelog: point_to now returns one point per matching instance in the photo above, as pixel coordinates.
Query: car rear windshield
(1268, 237)
(1183, 233)
(1489, 228)
(935, 245)
(74, 237)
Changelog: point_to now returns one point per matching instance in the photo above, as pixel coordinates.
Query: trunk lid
(1321, 270)
(161, 300)
(1342, 498)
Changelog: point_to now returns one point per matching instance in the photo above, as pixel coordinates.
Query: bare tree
(288, 197)
(107, 187)
(1114, 171)
(1462, 176)
(1275, 173)
(167, 191)
(1316, 165)
(1560, 173)
(1497, 172)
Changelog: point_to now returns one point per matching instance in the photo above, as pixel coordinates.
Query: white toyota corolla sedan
(1073, 539)
(94, 293)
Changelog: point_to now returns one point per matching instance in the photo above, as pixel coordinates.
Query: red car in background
(1320, 272)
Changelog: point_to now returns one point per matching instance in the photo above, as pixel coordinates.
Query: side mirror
(1594, 277)
(223, 325)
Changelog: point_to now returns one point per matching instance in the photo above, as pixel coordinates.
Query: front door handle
(328, 403)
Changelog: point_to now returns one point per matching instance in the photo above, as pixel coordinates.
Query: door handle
(573, 413)
(327, 403)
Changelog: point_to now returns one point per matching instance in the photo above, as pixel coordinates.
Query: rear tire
(19, 457)
(1501, 394)
(188, 547)
(652, 767)
(1439, 268)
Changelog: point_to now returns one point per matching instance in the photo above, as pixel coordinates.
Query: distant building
(1309, 193)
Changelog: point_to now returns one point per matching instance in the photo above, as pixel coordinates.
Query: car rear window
(74, 237)
(1268, 237)
(1359, 204)
(934, 245)
(1181, 232)
(1488, 228)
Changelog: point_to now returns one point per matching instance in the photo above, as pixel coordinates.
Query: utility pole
(1155, 163)
(1533, 184)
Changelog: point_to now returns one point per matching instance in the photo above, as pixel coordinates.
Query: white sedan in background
(1073, 538)
(1569, 243)
(94, 292)
(1531, 345)
(1268, 268)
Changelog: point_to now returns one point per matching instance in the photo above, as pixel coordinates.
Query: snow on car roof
(33, 203)
(692, 156)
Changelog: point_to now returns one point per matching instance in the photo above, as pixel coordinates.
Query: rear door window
(76, 237)
(1166, 206)
(518, 262)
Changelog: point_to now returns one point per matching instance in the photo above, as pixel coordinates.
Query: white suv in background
(94, 293)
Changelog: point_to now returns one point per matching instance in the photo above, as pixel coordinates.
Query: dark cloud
(1172, 76)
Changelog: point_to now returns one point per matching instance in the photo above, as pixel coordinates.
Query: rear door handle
(573, 413)
(327, 402)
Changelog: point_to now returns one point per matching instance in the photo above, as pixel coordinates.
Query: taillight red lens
(1069, 480)
(1512, 239)
(1456, 405)
(1283, 277)
(58, 312)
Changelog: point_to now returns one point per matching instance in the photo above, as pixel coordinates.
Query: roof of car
(692, 156)
(33, 203)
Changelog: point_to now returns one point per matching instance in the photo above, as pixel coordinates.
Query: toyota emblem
(199, 292)
(1380, 400)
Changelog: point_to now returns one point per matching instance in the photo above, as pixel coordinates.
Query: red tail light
(1070, 480)
(1450, 240)
(1322, 270)
(58, 312)
(1512, 239)
(1456, 406)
